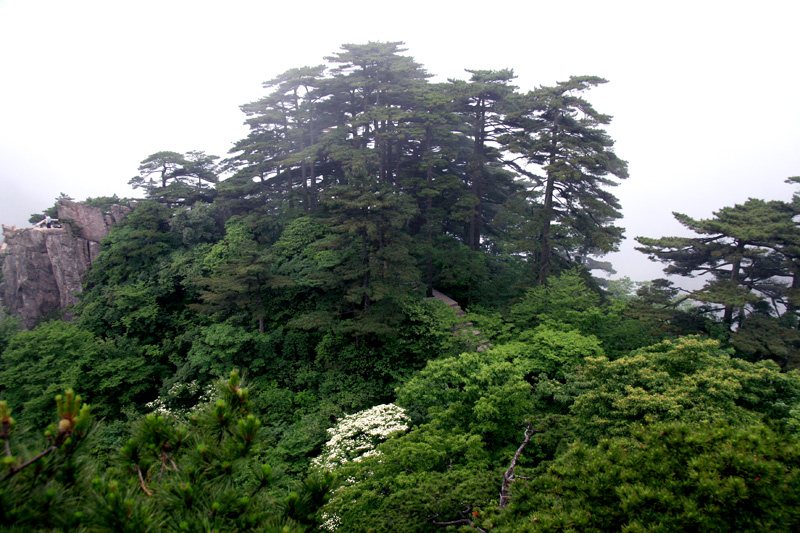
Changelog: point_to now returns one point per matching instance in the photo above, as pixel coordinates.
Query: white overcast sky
(704, 94)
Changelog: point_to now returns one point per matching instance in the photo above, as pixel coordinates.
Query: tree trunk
(427, 215)
(304, 180)
(313, 159)
(365, 264)
(260, 302)
(727, 317)
(289, 186)
(476, 175)
(547, 247)
(791, 308)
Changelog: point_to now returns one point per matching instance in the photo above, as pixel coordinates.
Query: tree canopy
(402, 270)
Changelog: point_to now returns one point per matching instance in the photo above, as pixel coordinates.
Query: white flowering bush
(166, 404)
(356, 436)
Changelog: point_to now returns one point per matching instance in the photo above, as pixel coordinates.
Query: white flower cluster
(356, 436)
(161, 405)
(330, 522)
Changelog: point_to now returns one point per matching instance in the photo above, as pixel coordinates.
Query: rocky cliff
(44, 268)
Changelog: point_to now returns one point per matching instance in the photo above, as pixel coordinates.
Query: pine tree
(177, 179)
(744, 251)
(239, 276)
(560, 132)
(284, 134)
(168, 476)
(481, 102)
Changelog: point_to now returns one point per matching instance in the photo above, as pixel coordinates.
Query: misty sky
(703, 94)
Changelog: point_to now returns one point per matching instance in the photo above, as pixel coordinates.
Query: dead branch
(508, 476)
(141, 481)
(465, 521)
(174, 466)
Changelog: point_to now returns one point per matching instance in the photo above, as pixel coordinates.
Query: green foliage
(492, 325)
(134, 246)
(439, 471)
(660, 310)
(359, 189)
(560, 131)
(564, 301)
(425, 332)
(553, 353)
(9, 326)
(196, 224)
(474, 393)
(567, 302)
(745, 249)
(675, 477)
(457, 267)
(370, 222)
(177, 179)
(471, 409)
(765, 337)
(222, 346)
(298, 236)
(104, 203)
(42, 490)
(689, 380)
(623, 289)
(239, 275)
(168, 477)
(426, 476)
(116, 373)
(37, 364)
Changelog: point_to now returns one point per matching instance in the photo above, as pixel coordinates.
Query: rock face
(44, 269)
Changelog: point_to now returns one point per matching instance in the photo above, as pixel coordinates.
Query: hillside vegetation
(256, 347)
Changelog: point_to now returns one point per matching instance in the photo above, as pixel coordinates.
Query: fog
(700, 92)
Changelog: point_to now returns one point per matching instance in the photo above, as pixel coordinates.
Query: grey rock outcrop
(88, 222)
(44, 268)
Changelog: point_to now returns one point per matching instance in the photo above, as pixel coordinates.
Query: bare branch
(141, 481)
(463, 521)
(508, 476)
(174, 466)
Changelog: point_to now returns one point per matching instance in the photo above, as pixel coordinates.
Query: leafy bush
(675, 477)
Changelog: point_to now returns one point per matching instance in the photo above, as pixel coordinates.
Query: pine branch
(160, 471)
(15, 469)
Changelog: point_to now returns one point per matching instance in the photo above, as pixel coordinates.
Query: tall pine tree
(561, 133)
